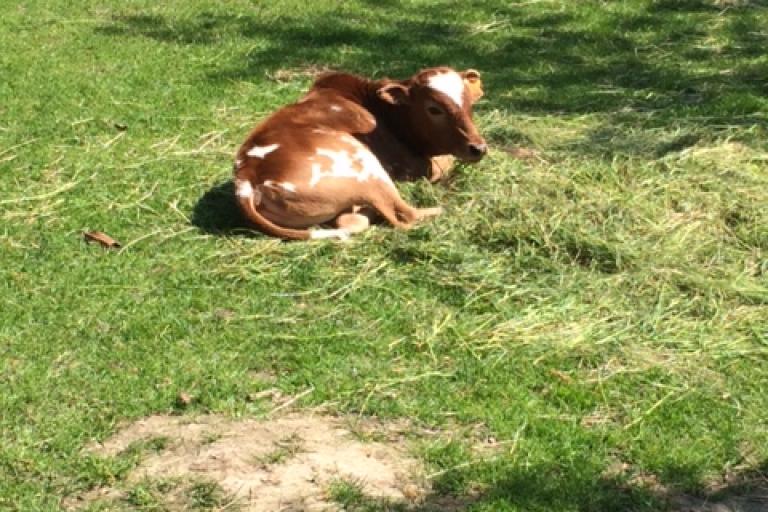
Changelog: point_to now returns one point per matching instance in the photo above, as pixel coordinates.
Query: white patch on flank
(336, 108)
(245, 190)
(262, 151)
(345, 164)
(286, 185)
(341, 234)
(450, 84)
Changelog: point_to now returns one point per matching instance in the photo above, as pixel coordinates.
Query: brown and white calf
(328, 157)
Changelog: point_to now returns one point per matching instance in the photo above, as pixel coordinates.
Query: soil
(287, 463)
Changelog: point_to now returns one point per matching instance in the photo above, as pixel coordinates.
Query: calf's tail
(246, 198)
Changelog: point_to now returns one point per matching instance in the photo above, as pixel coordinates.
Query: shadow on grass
(550, 49)
(216, 212)
(554, 488)
(539, 60)
(543, 488)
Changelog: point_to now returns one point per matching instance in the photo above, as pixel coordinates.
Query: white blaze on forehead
(450, 84)
(336, 108)
(354, 162)
(262, 151)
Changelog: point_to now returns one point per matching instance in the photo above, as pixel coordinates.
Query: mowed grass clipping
(599, 304)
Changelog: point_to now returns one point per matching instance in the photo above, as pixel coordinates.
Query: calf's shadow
(216, 212)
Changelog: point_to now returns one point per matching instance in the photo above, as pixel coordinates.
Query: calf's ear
(473, 83)
(394, 93)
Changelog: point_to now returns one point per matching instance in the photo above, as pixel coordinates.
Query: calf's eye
(435, 111)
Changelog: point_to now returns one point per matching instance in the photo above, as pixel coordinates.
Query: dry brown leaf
(412, 492)
(224, 314)
(561, 375)
(104, 239)
(184, 399)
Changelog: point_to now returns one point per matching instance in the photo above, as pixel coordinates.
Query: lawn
(594, 299)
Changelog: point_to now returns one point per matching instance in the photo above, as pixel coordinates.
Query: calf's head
(438, 105)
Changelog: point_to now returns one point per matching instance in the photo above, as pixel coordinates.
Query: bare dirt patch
(287, 463)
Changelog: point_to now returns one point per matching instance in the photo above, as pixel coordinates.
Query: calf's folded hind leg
(399, 213)
(440, 167)
(410, 215)
(353, 222)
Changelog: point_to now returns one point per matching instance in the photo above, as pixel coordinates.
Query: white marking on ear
(341, 234)
(262, 151)
(451, 84)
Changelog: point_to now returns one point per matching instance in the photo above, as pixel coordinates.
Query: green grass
(206, 496)
(284, 449)
(350, 495)
(605, 302)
